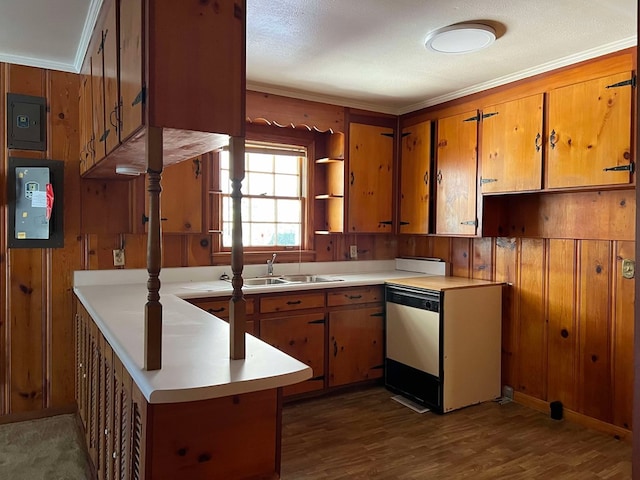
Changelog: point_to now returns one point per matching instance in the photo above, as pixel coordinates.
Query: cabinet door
(456, 174)
(182, 181)
(302, 337)
(132, 96)
(356, 339)
(110, 50)
(414, 179)
(370, 178)
(512, 146)
(97, 96)
(590, 133)
(86, 117)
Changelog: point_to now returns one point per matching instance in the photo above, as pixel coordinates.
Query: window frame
(273, 135)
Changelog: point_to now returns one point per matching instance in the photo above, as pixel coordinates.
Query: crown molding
(530, 72)
(37, 62)
(87, 31)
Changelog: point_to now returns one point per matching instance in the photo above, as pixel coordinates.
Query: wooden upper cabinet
(131, 93)
(590, 133)
(456, 170)
(415, 168)
(512, 146)
(181, 69)
(182, 182)
(97, 96)
(370, 178)
(86, 117)
(111, 100)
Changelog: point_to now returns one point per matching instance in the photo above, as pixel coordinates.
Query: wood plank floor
(365, 434)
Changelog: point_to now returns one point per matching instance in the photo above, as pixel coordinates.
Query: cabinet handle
(354, 297)
(553, 139)
(294, 302)
(353, 178)
(335, 348)
(113, 117)
(404, 223)
(426, 178)
(439, 177)
(216, 310)
(537, 142)
(378, 314)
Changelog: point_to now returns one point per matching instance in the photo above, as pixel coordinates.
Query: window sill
(255, 258)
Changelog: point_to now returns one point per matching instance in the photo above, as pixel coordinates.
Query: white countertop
(195, 344)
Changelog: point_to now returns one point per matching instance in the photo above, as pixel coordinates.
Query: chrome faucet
(270, 264)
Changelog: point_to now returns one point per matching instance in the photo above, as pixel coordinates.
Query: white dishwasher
(443, 346)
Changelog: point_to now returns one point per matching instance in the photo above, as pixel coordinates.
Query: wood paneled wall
(568, 315)
(36, 334)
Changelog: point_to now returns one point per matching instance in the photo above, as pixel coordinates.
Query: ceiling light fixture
(461, 38)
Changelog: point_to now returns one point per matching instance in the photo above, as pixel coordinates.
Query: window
(273, 202)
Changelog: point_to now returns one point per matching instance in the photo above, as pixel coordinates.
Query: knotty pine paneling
(506, 256)
(622, 336)
(551, 286)
(594, 320)
(27, 271)
(63, 145)
(531, 356)
(562, 326)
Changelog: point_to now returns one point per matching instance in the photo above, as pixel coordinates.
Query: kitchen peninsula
(201, 412)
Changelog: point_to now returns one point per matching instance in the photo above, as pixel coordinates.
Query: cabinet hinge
(140, 98)
(405, 134)
(390, 135)
(472, 119)
(487, 180)
(620, 168)
(321, 320)
(404, 223)
(631, 81)
(379, 314)
(101, 47)
(386, 222)
(105, 134)
(487, 115)
(470, 222)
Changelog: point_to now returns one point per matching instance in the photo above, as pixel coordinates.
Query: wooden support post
(237, 304)
(153, 307)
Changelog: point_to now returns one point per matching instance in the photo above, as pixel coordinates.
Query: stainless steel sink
(306, 278)
(252, 282)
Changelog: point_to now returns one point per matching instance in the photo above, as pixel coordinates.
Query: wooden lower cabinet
(128, 438)
(356, 339)
(302, 337)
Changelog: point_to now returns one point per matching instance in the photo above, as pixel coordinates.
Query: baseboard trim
(36, 414)
(575, 417)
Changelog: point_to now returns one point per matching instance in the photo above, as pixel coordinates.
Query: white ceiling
(361, 53)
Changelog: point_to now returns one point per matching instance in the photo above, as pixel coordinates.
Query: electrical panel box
(35, 193)
(26, 122)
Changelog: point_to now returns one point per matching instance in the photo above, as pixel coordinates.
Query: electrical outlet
(353, 251)
(118, 258)
(628, 268)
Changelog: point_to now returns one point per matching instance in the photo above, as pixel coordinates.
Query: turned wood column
(153, 307)
(237, 304)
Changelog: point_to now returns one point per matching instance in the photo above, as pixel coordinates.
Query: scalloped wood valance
(286, 112)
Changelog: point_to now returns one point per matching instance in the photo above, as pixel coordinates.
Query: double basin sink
(287, 279)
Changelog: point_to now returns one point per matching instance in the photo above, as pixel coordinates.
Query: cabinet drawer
(220, 307)
(292, 301)
(353, 296)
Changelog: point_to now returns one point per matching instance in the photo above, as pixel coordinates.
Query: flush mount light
(461, 38)
(126, 170)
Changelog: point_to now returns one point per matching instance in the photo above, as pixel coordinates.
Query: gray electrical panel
(26, 122)
(33, 209)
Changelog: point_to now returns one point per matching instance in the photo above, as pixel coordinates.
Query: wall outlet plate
(353, 251)
(118, 258)
(628, 268)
